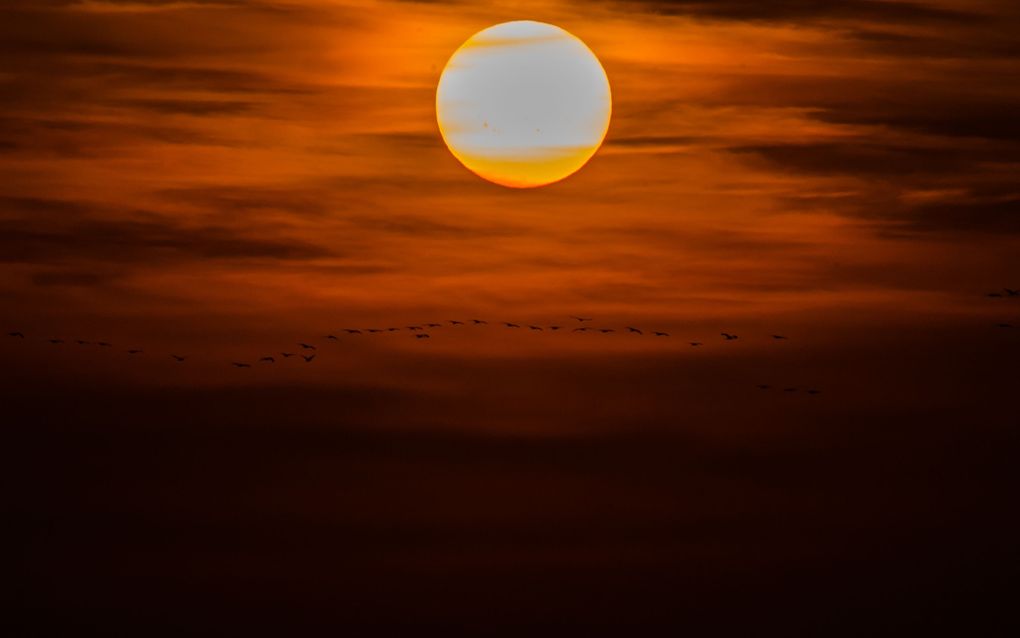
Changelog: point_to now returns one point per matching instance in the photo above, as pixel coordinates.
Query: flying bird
(581, 319)
(81, 342)
(55, 341)
(764, 387)
(1012, 293)
(241, 365)
(778, 337)
(103, 344)
(134, 351)
(422, 335)
(374, 330)
(267, 360)
(479, 322)
(554, 327)
(392, 329)
(695, 343)
(661, 334)
(580, 330)
(606, 331)
(331, 337)
(434, 325)
(510, 325)
(633, 330)
(789, 389)
(287, 355)
(307, 346)
(535, 327)
(413, 328)
(454, 322)
(728, 336)
(308, 359)
(352, 331)
(16, 334)
(1004, 325)
(178, 358)
(814, 391)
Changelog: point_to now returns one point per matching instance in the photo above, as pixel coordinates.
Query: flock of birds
(308, 351)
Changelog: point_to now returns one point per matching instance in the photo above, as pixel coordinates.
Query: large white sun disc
(523, 104)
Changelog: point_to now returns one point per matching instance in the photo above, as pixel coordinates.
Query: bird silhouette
(581, 319)
(307, 346)
(1011, 292)
(134, 351)
(479, 322)
(814, 391)
(535, 327)
(414, 328)
(660, 334)
(374, 330)
(778, 337)
(55, 341)
(606, 331)
(580, 330)
(103, 344)
(695, 343)
(392, 329)
(510, 325)
(554, 327)
(17, 335)
(728, 336)
(287, 355)
(422, 335)
(764, 387)
(433, 325)
(352, 331)
(331, 337)
(241, 365)
(789, 389)
(81, 342)
(1004, 325)
(454, 322)
(634, 330)
(267, 360)
(308, 358)
(178, 358)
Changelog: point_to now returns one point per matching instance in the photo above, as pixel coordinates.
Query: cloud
(83, 137)
(972, 214)
(45, 231)
(868, 159)
(71, 278)
(939, 115)
(232, 199)
(424, 227)
(190, 107)
(803, 10)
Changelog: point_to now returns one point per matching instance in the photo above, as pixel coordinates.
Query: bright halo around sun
(523, 104)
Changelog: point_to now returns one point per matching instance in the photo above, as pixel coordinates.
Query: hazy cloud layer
(764, 160)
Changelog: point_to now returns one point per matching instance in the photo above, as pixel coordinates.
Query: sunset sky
(225, 179)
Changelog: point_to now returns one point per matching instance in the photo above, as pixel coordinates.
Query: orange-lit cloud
(183, 171)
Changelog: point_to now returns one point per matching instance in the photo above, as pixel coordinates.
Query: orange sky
(222, 179)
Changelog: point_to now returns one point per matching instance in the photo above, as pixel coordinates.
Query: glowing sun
(523, 104)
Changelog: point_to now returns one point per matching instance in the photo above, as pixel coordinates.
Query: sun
(523, 104)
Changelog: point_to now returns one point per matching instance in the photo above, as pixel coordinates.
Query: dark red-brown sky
(224, 179)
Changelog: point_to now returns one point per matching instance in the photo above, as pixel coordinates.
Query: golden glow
(523, 104)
